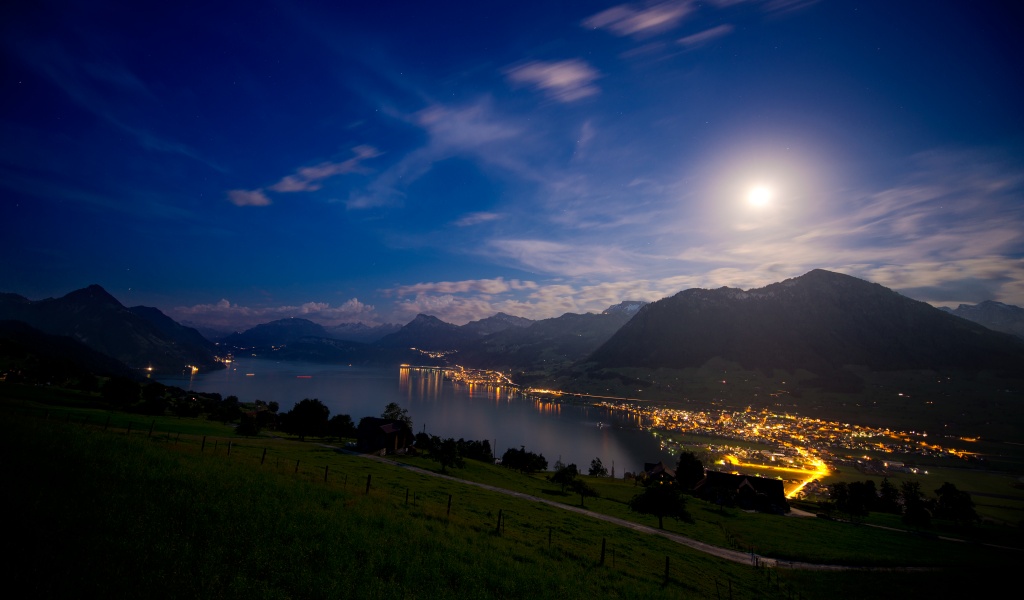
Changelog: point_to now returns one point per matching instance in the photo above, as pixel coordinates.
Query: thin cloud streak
(248, 198)
(631, 20)
(225, 315)
(565, 81)
(309, 179)
(703, 37)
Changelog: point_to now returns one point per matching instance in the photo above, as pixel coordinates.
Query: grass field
(101, 512)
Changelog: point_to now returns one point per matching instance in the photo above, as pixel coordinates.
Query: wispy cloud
(640, 20)
(309, 179)
(248, 198)
(565, 81)
(104, 87)
(226, 315)
(471, 130)
(703, 37)
(497, 285)
(306, 179)
(555, 258)
(476, 218)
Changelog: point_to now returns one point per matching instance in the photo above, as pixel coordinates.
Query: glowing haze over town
(365, 162)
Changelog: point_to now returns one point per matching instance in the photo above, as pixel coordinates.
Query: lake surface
(576, 433)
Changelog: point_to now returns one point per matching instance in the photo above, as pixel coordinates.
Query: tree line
(857, 499)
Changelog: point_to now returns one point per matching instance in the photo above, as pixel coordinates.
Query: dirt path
(747, 558)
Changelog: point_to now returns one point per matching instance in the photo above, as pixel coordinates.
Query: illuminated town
(797, 449)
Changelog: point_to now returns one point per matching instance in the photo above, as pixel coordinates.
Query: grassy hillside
(101, 512)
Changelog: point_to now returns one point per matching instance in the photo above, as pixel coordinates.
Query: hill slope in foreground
(134, 516)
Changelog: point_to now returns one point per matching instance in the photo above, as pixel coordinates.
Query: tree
(341, 426)
(308, 417)
(226, 409)
(580, 487)
(888, 497)
(523, 461)
(915, 512)
(565, 475)
(661, 499)
(446, 453)
(597, 469)
(477, 450)
(424, 442)
(395, 412)
(689, 470)
(955, 505)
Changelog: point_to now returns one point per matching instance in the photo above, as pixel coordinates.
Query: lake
(574, 432)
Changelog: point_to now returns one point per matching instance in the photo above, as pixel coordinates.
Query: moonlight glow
(760, 196)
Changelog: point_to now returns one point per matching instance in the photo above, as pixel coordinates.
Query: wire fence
(440, 500)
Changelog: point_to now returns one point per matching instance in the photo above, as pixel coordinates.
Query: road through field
(724, 553)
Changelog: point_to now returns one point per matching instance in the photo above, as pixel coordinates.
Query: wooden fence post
(264, 458)
(151, 424)
(229, 447)
(129, 432)
(296, 466)
(498, 529)
(603, 541)
(448, 514)
(326, 468)
(369, 476)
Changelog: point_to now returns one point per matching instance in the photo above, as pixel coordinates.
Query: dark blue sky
(232, 163)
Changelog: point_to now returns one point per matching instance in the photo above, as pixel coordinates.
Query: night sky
(232, 163)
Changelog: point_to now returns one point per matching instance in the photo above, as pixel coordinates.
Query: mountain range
(994, 315)
(142, 338)
(820, 322)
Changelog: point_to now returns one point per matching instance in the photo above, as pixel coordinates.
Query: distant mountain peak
(997, 316)
(493, 324)
(93, 294)
(628, 307)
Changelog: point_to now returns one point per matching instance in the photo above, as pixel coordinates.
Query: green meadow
(118, 505)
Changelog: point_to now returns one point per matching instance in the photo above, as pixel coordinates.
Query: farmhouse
(748, 492)
(383, 436)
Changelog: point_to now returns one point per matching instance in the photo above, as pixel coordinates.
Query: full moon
(760, 196)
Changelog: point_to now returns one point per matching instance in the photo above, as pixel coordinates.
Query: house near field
(383, 436)
(748, 492)
(659, 472)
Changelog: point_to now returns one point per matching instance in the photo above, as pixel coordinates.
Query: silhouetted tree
(307, 417)
(689, 470)
(565, 475)
(888, 497)
(226, 410)
(597, 469)
(580, 487)
(424, 442)
(341, 426)
(396, 413)
(524, 461)
(661, 499)
(446, 453)
(915, 511)
(477, 450)
(955, 505)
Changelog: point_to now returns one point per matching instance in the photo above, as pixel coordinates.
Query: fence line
(435, 504)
